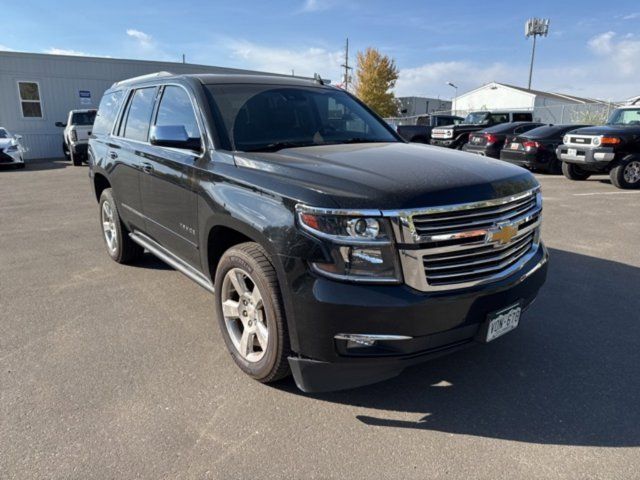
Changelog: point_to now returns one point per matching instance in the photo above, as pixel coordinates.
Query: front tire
(65, 151)
(250, 313)
(116, 237)
(574, 172)
(75, 158)
(626, 174)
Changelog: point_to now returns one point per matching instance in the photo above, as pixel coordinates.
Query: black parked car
(490, 141)
(536, 149)
(334, 250)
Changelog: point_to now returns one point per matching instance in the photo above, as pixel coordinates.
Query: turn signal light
(610, 141)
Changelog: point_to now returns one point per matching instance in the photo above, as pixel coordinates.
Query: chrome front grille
(463, 245)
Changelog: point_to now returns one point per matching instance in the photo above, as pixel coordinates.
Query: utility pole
(184, 58)
(345, 65)
(533, 28)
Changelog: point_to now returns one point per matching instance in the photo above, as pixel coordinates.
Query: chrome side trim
(369, 339)
(145, 242)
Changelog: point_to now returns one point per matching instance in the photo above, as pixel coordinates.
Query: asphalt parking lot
(109, 371)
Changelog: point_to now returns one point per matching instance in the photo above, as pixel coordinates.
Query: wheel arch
(100, 183)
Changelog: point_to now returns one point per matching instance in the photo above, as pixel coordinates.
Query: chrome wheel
(632, 172)
(109, 227)
(244, 315)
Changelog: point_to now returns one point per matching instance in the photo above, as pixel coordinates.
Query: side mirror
(18, 137)
(174, 136)
(60, 124)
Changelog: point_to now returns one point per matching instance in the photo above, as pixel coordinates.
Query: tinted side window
(499, 117)
(444, 121)
(522, 117)
(176, 109)
(107, 111)
(139, 116)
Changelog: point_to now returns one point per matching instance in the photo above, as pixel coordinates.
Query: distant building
(411, 106)
(37, 90)
(547, 106)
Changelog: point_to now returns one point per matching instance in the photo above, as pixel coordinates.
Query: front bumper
(448, 143)
(11, 158)
(595, 157)
(437, 322)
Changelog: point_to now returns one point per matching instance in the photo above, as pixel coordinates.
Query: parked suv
(421, 131)
(455, 136)
(335, 250)
(612, 148)
(76, 134)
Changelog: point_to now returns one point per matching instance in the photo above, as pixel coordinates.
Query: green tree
(376, 76)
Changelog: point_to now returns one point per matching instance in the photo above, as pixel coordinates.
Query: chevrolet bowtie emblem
(504, 234)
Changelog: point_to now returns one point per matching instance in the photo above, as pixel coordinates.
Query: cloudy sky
(593, 48)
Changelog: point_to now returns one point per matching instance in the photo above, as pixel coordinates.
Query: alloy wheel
(244, 315)
(109, 227)
(632, 172)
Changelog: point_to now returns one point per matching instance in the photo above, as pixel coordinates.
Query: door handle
(113, 155)
(147, 167)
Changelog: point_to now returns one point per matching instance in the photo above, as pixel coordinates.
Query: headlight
(359, 244)
(73, 135)
(596, 141)
(565, 139)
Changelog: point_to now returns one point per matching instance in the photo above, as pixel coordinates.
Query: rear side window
(522, 117)
(139, 116)
(107, 112)
(176, 109)
(499, 117)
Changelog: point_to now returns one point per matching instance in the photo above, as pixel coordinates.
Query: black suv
(335, 250)
(613, 148)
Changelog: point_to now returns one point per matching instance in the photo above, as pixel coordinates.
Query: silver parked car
(11, 150)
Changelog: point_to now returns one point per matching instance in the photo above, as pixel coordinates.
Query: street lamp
(452, 85)
(533, 28)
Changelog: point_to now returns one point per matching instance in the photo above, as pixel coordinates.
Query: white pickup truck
(76, 134)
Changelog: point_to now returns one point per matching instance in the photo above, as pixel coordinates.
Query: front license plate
(503, 321)
(572, 152)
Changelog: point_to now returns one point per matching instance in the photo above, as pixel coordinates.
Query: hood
(608, 130)
(388, 175)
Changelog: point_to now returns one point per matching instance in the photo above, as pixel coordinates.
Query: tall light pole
(452, 85)
(533, 28)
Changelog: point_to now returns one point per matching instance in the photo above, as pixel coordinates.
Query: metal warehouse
(38, 90)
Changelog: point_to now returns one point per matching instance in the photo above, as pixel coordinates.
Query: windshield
(474, 118)
(83, 118)
(4, 133)
(270, 117)
(624, 116)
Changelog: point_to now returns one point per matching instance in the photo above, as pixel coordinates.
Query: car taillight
(531, 144)
(491, 138)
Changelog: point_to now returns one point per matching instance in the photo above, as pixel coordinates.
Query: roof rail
(148, 76)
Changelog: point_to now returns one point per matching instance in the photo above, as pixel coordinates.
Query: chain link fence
(587, 113)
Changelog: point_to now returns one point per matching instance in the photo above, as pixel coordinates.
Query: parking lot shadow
(47, 164)
(569, 375)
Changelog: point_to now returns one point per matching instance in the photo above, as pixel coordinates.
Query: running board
(172, 260)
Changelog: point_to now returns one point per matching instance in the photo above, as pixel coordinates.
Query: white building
(548, 107)
(37, 90)
(411, 106)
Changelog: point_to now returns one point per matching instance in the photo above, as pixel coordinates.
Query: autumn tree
(376, 76)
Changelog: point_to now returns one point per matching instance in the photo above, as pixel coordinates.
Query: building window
(30, 99)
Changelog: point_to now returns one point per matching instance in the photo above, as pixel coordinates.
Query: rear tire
(250, 313)
(626, 174)
(119, 245)
(574, 172)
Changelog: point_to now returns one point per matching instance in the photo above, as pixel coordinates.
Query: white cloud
(64, 51)
(304, 61)
(431, 78)
(631, 16)
(316, 5)
(623, 54)
(144, 39)
(4, 48)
